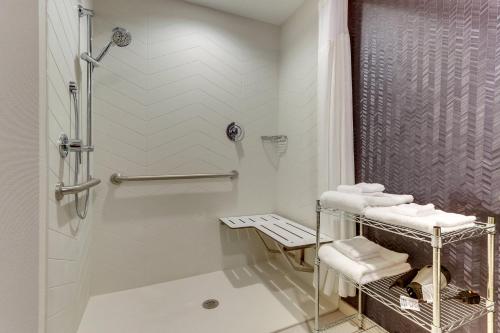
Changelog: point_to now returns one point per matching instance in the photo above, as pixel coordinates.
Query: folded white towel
(362, 188)
(329, 278)
(413, 209)
(364, 271)
(348, 202)
(386, 199)
(371, 187)
(387, 272)
(357, 248)
(356, 203)
(447, 221)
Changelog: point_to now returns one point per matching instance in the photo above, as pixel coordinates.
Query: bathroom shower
(120, 37)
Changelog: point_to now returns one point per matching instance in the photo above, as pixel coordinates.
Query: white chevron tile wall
(68, 236)
(296, 189)
(161, 106)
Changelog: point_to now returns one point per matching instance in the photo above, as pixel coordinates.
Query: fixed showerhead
(121, 37)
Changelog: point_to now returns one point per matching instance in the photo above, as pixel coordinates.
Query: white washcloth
(364, 271)
(362, 188)
(356, 203)
(357, 248)
(447, 221)
(413, 209)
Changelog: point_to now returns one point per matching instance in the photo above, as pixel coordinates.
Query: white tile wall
(161, 106)
(296, 180)
(68, 236)
(22, 218)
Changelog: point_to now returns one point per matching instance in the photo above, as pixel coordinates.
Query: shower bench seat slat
(291, 235)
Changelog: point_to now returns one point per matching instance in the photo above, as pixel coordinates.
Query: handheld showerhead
(120, 37)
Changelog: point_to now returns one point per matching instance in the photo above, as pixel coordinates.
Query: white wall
(19, 166)
(68, 236)
(161, 107)
(297, 174)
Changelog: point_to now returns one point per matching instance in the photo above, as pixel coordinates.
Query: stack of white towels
(356, 198)
(362, 260)
(398, 209)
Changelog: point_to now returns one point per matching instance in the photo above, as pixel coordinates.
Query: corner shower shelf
(291, 235)
(445, 315)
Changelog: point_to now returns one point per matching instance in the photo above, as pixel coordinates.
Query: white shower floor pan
(253, 299)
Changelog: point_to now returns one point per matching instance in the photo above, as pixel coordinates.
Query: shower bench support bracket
(294, 258)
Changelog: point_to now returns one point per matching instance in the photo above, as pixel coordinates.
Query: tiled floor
(253, 299)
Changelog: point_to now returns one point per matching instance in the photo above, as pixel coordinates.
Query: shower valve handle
(67, 145)
(75, 145)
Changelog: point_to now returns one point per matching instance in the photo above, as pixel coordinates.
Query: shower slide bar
(118, 178)
(62, 190)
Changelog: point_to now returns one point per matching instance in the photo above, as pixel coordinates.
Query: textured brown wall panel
(427, 117)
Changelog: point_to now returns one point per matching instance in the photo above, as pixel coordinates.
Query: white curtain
(335, 124)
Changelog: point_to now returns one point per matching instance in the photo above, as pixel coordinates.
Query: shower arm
(104, 51)
(96, 62)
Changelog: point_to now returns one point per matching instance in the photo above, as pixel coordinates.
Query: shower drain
(210, 304)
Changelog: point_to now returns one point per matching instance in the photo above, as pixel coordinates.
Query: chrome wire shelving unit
(444, 314)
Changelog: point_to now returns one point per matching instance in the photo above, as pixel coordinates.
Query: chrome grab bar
(117, 178)
(62, 190)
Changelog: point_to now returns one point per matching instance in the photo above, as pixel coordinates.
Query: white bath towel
(447, 221)
(356, 203)
(357, 248)
(413, 209)
(367, 270)
(362, 188)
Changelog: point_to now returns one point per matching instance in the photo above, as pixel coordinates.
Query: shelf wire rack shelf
(480, 229)
(454, 313)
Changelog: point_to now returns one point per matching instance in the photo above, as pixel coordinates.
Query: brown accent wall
(427, 118)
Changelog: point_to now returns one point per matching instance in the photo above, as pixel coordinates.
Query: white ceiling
(270, 11)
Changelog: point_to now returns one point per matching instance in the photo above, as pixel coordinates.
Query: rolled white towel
(361, 271)
(447, 221)
(357, 248)
(413, 209)
(362, 188)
